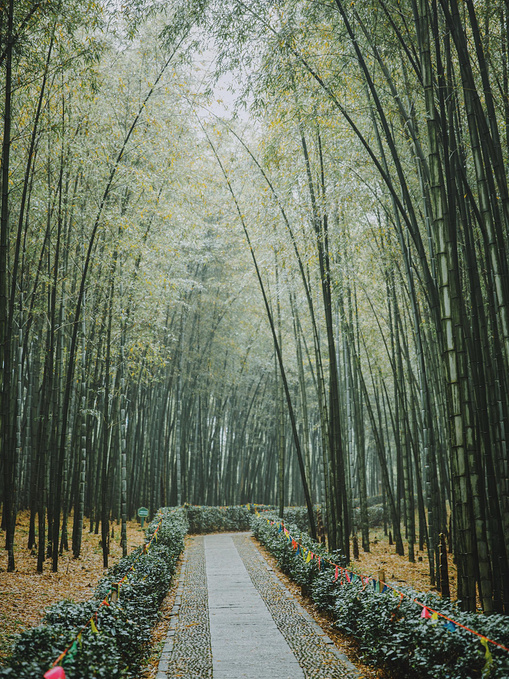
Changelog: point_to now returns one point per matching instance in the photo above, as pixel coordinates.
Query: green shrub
(375, 516)
(203, 519)
(298, 516)
(388, 628)
(391, 632)
(293, 564)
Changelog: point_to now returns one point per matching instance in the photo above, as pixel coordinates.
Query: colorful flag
(489, 658)
(71, 653)
(55, 673)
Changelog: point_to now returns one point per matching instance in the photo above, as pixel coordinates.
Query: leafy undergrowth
(389, 629)
(203, 519)
(102, 637)
(25, 594)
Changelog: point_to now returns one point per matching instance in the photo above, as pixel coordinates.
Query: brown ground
(25, 594)
(398, 570)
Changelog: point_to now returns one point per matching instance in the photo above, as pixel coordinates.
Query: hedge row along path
(233, 619)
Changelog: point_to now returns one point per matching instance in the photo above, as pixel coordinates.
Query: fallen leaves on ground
(25, 594)
(398, 570)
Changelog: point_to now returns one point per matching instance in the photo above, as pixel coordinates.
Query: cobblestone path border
(186, 653)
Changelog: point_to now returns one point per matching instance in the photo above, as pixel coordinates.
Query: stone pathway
(233, 619)
(187, 652)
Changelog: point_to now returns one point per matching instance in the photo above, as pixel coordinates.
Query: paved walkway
(233, 619)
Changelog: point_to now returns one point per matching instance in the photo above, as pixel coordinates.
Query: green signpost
(142, 513)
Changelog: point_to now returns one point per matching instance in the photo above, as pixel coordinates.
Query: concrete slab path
(244, 638)
(234, 619)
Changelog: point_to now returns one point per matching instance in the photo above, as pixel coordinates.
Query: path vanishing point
(234, 619)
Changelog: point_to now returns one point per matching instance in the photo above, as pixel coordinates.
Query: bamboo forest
(256, 252)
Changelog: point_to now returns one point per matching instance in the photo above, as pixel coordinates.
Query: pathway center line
(245, 640)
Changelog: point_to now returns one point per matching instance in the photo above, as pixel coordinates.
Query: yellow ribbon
(489, 658)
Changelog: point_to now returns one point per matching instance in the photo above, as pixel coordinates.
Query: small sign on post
(142, 513)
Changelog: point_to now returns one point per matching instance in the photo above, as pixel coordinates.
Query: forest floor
(25, 594)
(398, 570)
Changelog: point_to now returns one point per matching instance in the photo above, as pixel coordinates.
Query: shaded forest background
(299, 298)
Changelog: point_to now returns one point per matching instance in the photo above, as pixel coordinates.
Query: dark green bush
(298, 516)
(218, 519)
(388, 628)
(391, 632)
(123, 628)
(375, 516)
(291, 563)
(35, 651)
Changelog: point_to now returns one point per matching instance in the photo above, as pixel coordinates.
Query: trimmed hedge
(389, 630)
(204, 519)
(375, 516)
(302, 573)
(298, 516)
(123, 628)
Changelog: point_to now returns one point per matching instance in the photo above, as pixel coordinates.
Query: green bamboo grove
(257, 252)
